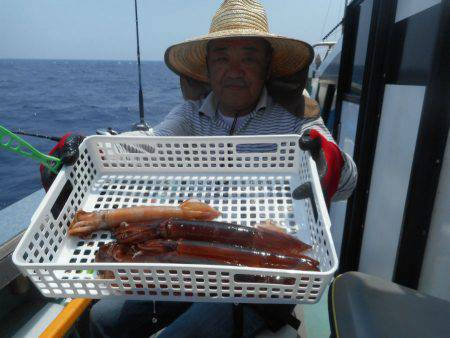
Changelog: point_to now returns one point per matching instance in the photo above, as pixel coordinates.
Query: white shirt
(201, 118)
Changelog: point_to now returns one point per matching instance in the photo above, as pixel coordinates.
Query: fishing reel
(108, 132)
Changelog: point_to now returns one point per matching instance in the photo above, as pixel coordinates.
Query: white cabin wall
(400, 117)
(435, 275)
(407, 8)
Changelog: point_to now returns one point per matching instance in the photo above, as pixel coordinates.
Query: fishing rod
(52, 138)
(142, 125)
(333, 29)
(338, 24)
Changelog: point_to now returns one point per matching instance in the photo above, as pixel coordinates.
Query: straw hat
(238, 18)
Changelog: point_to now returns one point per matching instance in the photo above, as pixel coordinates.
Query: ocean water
(52, 97)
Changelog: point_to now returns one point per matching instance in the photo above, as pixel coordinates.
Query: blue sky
(104, 29)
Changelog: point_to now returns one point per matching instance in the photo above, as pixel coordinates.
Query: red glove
(328, 158)
(67, 150)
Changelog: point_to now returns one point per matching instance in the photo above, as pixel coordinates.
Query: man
(256, 80)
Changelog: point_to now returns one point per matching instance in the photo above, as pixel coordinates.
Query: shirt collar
(209, 105)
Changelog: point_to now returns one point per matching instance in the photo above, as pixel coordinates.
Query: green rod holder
(15, 144)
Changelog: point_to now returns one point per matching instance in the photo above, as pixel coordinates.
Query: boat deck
(14, 219)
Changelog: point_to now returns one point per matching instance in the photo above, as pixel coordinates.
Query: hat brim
(188, 58)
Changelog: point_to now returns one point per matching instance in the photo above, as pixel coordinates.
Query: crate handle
(261, 147)
(305, 191)
(264, 279)
(61, 199)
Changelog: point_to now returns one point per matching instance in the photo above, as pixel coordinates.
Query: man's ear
(193, 89)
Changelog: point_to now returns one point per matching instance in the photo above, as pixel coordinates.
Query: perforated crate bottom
(241, 199)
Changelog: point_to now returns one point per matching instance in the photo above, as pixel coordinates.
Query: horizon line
(61, 59)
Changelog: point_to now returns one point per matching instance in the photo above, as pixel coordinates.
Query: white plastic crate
(248, 179)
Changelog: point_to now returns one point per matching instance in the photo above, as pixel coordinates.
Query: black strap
(277, 316)
(233, 126)
(274, 320)
(293, 322)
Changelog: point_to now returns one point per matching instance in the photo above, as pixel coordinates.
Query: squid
(258, 238)
(153, 253)
(143, 256)
(84, 223)
(196, 252)
(232, 254)
(115, 252)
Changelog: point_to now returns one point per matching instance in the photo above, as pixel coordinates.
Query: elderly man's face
(237, 71)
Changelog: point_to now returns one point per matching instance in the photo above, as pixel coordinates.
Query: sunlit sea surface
(52, 97)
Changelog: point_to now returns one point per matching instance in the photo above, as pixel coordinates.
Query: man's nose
(235, 69)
